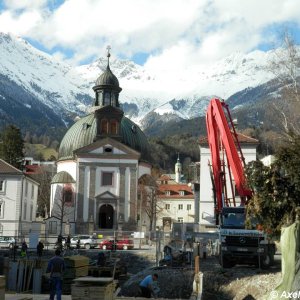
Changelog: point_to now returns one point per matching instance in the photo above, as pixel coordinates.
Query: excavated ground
(237, 283)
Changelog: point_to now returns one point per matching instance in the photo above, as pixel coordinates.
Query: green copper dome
(83, 132)
(107, 78)
(62, 177)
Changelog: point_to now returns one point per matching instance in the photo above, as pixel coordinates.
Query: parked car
(86, 241)
(7, 242)
(125, 244)
(116, 244)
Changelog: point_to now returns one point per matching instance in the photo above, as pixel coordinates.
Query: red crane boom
(221, 139)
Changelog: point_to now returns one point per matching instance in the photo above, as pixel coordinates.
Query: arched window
(113, 99)
(99, 99)
(106, 98)
(104, 126)
(113, 127)
(68, 195)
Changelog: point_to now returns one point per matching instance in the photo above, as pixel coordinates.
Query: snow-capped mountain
(186, 95)
(56, 84)
(63, 92)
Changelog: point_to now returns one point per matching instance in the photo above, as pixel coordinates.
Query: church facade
(100, 160)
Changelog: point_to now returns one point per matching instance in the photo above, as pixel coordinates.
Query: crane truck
(237, 245)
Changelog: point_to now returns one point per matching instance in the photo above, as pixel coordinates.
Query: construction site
(98, 274)
(116, 274)
(225, 253)
(236, 259)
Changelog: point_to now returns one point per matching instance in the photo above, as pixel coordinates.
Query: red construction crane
(238, 244)
(225, 151)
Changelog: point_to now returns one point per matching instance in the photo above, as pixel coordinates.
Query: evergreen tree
(276, 188)
(12, 146)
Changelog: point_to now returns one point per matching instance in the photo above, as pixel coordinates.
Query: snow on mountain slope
(54, 83)
(65, 88)
(192, 88)
(133, 79)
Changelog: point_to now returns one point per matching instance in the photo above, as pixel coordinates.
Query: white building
(100, 160)
(175, 202)
(206, 214)
(18, 201)
(268, 160)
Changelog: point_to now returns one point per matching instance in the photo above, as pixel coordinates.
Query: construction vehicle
(175, 256)
(237, 245)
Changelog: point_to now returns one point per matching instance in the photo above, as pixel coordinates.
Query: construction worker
(59, 244)
(24, 248)
(56, 267)
(146, 285)
(39, 249)
(68, 242)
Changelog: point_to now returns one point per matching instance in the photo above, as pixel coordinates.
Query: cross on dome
(108, 53)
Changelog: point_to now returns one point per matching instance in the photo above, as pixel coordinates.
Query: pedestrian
(59, 244)
(39, 249)
(101, 259)
(68, 242)
(56, 267)
(78, 244)
(24, 248)
(146, 285)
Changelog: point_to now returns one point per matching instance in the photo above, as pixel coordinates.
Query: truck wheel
(226, 263)
(266, 261)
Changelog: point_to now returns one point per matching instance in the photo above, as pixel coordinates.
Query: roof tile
(6, 168)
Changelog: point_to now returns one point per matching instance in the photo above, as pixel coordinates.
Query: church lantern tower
(107, 107)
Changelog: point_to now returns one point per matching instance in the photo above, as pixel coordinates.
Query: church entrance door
(106, 216)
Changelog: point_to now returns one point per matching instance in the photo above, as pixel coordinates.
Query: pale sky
(160, 34)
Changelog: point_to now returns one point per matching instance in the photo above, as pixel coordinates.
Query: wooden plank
(94, 280)
(37, 281)
(20, 276)
(25, 275)
(76, 272)
(13, 275)
(93, 292)
(29, 275)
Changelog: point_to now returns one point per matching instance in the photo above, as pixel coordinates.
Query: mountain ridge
(64, 92)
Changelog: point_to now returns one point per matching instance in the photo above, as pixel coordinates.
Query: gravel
(239, 282)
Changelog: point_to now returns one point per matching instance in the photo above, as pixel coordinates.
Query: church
(100, 161)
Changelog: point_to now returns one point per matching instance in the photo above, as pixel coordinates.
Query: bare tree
(44, 180)
(43, 176)
(63, 207)
(149, 205)
(286, 66)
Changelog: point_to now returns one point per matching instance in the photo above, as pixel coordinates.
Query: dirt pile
(237, 283)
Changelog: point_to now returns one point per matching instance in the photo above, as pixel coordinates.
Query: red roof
(164, 177)
(175, 191)
(33, 169)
